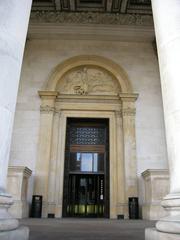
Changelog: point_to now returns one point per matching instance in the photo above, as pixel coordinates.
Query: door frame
(120, 110)
(112, 154)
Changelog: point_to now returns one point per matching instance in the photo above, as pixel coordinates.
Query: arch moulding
(98, 61)
(56, 108)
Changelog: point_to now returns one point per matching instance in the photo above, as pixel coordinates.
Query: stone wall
(156, 184)
(139, 61)
(17, 186)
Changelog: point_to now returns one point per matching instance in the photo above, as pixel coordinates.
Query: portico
(81, 71)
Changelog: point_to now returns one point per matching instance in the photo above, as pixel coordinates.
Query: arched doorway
(87, 87)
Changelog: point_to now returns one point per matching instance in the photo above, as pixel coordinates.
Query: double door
(86, 195)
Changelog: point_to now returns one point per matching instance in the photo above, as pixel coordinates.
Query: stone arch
(114, 69)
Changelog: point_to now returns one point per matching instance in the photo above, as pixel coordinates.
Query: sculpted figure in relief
(88, 80)
(75, 83)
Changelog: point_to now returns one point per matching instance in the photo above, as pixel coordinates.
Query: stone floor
(86, 229)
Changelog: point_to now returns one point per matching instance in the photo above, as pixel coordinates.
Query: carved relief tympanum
(88, 80)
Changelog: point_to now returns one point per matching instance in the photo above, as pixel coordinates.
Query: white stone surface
(137, 59)
(167, 27)
(168, 41)
(153, 234)
(21, 233)
(13, 30)
(156, 182)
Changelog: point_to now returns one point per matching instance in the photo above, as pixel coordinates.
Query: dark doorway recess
(86, 168)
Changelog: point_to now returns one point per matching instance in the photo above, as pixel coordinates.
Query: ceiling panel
(112, 6)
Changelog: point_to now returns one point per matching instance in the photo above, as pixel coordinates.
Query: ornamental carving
(90, 18)
(129, 112)
(88, 80)
(47, 109)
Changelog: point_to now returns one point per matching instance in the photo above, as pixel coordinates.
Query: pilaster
(53, 164)
(121, 201)
(47, 110)
(128, 116)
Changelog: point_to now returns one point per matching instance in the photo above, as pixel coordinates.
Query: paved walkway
(86, 229)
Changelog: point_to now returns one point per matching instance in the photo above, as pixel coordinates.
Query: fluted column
(167, 27)
(14, 17)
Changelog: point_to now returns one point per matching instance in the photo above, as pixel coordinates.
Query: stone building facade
(88, 64)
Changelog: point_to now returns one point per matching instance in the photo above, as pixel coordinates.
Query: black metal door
(86, 173)
(86, 195)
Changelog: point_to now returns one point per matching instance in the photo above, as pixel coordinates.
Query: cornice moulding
(48, 94)
(91, 32)
(128, 97)
(19, 169)
(151, 172)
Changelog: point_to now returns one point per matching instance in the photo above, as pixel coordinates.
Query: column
(167, 27)
(14, 17)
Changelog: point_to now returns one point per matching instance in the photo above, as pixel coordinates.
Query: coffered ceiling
(103, 6)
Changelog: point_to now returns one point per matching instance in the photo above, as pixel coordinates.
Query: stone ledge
(153, 234)
(21, 233)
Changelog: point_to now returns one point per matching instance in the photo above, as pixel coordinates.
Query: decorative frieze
(90, 18)
(129, 112)
(125, 112)
(47, 109)
(50, 109)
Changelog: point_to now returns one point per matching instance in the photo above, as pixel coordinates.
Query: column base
(7, 222)
(153, 234)
(21, 233)
(170, 224)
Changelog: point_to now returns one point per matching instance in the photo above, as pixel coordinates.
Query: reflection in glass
(87, 162)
